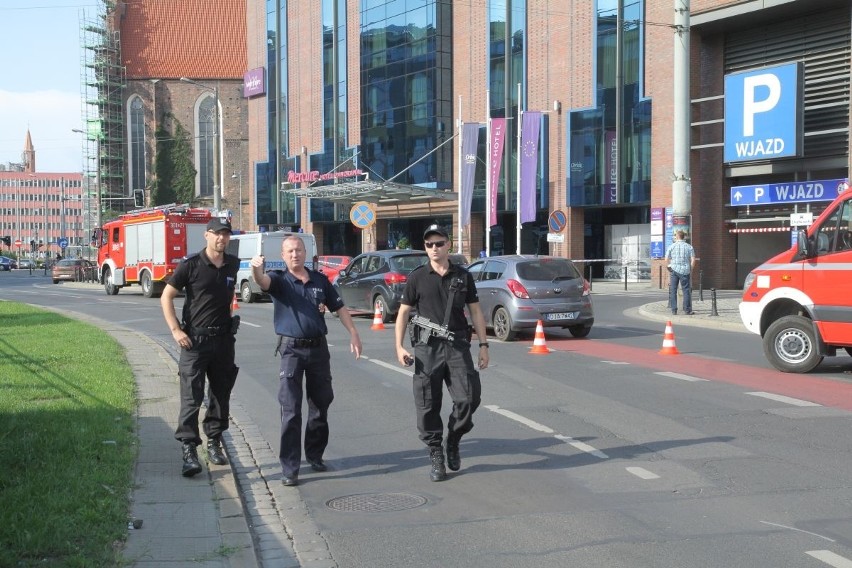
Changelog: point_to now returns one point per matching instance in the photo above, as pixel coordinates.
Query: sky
(40, 84)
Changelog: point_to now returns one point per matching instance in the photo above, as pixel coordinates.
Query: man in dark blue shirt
(300, 298)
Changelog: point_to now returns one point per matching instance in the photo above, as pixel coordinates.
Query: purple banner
(530, 126)
(469, 142)
(254, 82)
(498, 137)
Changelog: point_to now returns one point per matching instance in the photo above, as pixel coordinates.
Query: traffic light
(32, 246)
(139, 197)
(8, 240)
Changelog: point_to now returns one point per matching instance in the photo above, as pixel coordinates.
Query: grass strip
(67, 441)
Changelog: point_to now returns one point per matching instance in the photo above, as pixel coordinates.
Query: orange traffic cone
(234, 305)
(669, 347)
(539, 344)
(378, 324)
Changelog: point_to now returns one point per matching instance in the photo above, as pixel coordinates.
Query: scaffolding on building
(103, 85)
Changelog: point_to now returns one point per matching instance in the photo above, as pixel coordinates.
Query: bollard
(590, 277)
(661, 278)
(701, 285)
(625, 279)
(713, 310)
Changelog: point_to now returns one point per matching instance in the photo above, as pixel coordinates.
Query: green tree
(175, 181)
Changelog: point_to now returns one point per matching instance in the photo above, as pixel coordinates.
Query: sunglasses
(438, 244)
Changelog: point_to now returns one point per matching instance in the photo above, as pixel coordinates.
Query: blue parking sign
(763, 113)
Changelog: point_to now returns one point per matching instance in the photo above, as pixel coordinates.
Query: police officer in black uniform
(438, 292)
(300, 298)
(206, 336)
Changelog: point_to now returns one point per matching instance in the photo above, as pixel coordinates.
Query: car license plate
(560, 316)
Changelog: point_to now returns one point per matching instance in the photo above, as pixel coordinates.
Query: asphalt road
(602, 454)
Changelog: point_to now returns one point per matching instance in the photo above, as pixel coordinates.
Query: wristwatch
(484, 345)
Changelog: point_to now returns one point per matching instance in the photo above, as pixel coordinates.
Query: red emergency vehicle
(799, 301)
(144, 247)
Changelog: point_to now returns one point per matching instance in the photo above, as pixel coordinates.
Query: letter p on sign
(769, 88)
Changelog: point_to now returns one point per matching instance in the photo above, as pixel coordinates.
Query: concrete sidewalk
(234, 515)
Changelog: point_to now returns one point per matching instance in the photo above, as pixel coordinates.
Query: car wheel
(580, 330)
(55, 281)
(502, 323)
(790, 344)
(109, 285)
(246, 294)
(380, 303)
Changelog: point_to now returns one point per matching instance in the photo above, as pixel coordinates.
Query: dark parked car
(459, 259)
(516, 291)
(331, 265)
(378, 279)
(71, 269)
(7, 263)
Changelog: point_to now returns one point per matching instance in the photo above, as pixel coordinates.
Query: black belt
(301, 341)
(211, 331)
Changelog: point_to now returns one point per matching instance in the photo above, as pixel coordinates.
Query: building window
(205, 154)
(136, 147)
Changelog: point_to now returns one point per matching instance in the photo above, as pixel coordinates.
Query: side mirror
(804, 247)
(341, 274)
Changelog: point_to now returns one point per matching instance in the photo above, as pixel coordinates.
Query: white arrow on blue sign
(787, 192)
(63, 243)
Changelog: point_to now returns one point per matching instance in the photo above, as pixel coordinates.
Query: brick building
(379, 89)
(41, 211)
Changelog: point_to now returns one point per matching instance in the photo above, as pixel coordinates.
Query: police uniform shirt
(296, 303)
(209, 289)
(428, 292)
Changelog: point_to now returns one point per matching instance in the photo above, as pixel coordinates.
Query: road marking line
(248, 323)
(396, 368)
(798, 530)
(680, 376)
(582, 446)
(782, 398)
(519, 418)
(830, 558)
(616, 362)
(642, 473)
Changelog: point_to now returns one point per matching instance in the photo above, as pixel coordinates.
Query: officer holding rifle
(438, 292)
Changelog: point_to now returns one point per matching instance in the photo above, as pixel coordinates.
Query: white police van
(268, 245)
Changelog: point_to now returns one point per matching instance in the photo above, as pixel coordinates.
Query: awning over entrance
(379, 192)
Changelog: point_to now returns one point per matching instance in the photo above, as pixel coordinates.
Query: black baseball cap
(437, 230)
(217, 224)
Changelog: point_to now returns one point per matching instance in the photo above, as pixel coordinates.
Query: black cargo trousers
(436, 362)
(210, 357)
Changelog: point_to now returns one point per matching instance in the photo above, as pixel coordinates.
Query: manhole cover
(376, 502)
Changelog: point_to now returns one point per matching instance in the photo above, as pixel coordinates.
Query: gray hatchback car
(516, 291)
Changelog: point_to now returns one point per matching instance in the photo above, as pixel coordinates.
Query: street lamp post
(240, 176)
(215, 89)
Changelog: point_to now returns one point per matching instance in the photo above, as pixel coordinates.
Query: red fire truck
(799, 300)
(144, 247)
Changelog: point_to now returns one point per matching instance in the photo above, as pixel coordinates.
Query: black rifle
(435, 330)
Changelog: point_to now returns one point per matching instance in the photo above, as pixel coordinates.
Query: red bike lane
(827, 392)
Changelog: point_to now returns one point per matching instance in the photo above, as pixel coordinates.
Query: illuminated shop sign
(310, 177)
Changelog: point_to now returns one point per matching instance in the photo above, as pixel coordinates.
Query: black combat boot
(438, 473)
(453, 457)
(191, 465)
(215, 454)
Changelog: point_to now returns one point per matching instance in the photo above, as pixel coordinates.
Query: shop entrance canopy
(379, 192)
